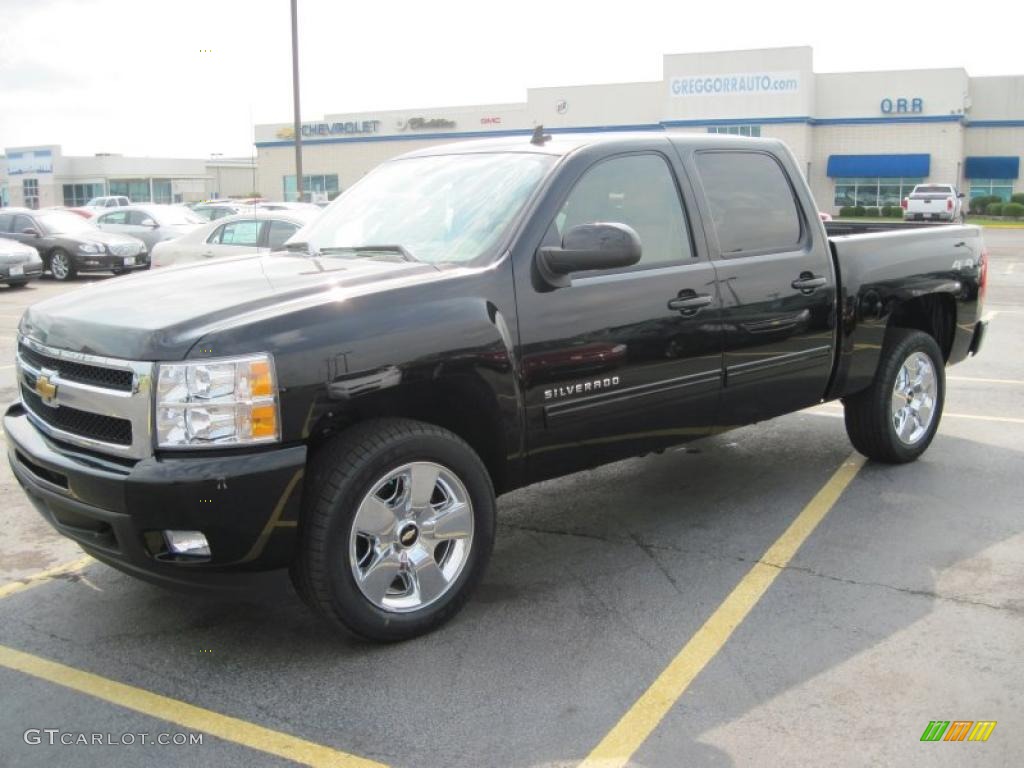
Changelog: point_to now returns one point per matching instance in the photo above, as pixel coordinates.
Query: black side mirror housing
(602, 245)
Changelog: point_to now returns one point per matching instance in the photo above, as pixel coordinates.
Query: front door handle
(689, 302)
(808, 283)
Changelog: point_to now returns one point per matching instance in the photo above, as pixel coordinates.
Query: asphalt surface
(905, 605)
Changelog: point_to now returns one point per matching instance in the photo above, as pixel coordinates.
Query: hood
(160, 315)
(98, 236)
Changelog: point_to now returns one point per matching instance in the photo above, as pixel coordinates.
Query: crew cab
(464, 321)
(934, 202)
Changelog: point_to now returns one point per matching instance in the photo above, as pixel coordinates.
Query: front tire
(61, 265)
(397, 529)
(895, 419)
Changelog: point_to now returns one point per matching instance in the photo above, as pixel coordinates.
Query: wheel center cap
(408, 534)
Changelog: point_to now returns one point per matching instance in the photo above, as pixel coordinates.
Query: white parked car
(19, 263)
(219, 210)
(150, 223)
(98, 205)
(257, 232)
(936, 202)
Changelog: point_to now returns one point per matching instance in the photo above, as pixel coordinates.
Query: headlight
(90, 248)
(231, 401)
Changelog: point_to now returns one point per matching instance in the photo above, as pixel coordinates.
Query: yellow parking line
(37, 578)
(1016, 382)
(947, 414)
(619, 745)
(185, 715)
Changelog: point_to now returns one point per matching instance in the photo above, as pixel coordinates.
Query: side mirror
(149, 223)
(589, 246)
(960, 194)
(30, 231)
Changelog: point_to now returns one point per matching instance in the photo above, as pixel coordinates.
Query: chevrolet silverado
(466, 320)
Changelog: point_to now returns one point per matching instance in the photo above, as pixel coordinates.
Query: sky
(184, 78)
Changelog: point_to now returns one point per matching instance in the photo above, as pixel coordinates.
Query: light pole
(295, 94)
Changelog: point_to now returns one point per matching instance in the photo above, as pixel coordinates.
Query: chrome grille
(124, 249)
(99, 403)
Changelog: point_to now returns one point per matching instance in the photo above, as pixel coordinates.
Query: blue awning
(992, 167)
(887, 166)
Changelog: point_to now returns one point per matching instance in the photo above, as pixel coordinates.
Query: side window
(752, 204)
(279, 232)
(113, 218)
(6, 220)
(136, 217)
(245, 232)
(21, 223)
(637, 190)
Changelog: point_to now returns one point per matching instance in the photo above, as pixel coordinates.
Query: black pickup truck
(466, 320)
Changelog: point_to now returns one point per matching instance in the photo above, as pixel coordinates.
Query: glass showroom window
(736, 130)
(30, 191)
(873, 191)
(162, 191)
(80, 194)
(1003, 188)
(136, 190)
(323, 183)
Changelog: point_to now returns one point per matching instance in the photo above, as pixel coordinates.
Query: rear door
(776, 279)
(615, 364)
(235, 237)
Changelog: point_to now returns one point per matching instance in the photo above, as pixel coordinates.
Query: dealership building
(861, 138)
(41, 176)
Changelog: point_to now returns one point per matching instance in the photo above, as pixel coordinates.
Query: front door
(623, 361)
(777, 284)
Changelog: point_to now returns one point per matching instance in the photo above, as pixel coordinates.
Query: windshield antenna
(539, 137)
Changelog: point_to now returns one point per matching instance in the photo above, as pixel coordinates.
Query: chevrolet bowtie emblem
(46, 389)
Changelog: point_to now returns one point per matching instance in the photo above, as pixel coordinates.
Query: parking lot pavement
(902, 606)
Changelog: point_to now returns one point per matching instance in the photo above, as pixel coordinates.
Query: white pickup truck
(939, 202)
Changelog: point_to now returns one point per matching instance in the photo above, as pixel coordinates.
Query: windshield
(63, 223)
(96, 201)
(445, 208)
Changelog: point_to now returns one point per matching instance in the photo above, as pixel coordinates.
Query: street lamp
(295, 94)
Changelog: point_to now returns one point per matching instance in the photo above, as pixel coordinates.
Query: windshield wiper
(370, 249)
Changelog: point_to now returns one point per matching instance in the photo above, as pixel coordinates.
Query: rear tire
(397, 528)
(895, 419)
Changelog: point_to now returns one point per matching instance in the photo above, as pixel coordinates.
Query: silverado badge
(46, 389)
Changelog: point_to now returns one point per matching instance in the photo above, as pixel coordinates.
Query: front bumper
(106, 262)
(246, 504)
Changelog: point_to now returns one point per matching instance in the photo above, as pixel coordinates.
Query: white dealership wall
(942, 113)
(191, 179)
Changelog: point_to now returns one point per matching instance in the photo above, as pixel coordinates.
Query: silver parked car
(219, 210)
(19, 263)
(256, 232)
(150, 223)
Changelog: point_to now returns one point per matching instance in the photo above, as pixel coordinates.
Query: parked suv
(69, 244)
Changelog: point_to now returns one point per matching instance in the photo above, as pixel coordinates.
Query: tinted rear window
(932, 189)
(752, 205)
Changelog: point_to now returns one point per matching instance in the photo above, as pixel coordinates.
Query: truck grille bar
(100, 403)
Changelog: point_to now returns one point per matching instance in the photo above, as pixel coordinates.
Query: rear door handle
(689, 302)
(807, 282)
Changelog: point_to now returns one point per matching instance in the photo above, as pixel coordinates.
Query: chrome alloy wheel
(913, 398)
(60, 266)
(411, 537)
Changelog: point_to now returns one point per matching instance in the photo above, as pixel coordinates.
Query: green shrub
(1017, 197)
(994, 209)
(981, 203)
(897, 212)
(1016, 210)
(859, 210)
(846, 211)
(872, 212)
